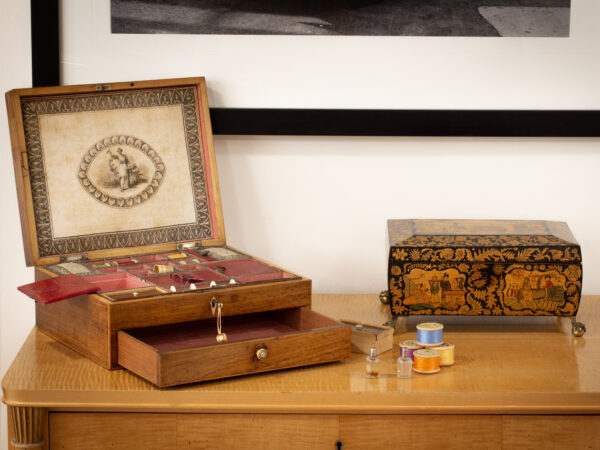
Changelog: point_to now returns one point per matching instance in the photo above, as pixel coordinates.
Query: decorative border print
(485, 289)
(504, 249)
(186, 97)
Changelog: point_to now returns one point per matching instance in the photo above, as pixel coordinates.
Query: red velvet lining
(116, 281)
(199, 334)
(234, 267)
(60, 288)
(150, 258)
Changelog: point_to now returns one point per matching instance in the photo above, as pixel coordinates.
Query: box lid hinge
(74, 258)
(189, 246)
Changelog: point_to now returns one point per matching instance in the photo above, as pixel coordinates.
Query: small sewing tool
(161, 268)
(176, 255)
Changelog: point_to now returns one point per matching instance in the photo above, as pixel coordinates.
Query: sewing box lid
(114, 169)
(434, 240)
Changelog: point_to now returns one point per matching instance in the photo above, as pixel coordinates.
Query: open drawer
(188, 352)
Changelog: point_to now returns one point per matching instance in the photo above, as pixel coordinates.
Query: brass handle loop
(218, 306)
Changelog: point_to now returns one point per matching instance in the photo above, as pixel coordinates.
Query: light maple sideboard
(516, 383)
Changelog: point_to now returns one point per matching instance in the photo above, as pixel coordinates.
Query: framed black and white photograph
(508, 18)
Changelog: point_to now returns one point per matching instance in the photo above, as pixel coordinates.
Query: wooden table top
(503, 365)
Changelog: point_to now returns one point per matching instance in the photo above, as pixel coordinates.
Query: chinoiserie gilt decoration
(121, 171)
(483, 268)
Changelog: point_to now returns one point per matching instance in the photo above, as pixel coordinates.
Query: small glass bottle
(404, 364)
(372, 366)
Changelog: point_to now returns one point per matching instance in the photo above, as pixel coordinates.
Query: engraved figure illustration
(431, 289)
(126, 173)
(535, 290)
(121, 171)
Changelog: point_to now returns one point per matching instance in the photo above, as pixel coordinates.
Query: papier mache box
(121, 216)
(483, 267)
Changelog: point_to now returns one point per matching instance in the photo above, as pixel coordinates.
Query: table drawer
(164, 431)
(185, 353)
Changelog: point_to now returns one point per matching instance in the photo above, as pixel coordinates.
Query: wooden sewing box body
(117, 184)
(483, 267)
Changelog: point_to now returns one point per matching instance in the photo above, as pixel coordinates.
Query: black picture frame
(45, 34)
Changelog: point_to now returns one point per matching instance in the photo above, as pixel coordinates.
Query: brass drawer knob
(261, 353)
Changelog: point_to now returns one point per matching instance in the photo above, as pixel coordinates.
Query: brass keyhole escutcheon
(261, 353)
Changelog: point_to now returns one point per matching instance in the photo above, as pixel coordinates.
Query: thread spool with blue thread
(430, 334)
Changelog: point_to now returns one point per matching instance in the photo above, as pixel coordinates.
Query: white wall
(16, 313)
(346, 71)
(318, 205)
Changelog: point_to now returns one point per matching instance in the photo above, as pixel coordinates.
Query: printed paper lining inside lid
(118, 169)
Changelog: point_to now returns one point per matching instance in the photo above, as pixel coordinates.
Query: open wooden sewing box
(118, 191)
